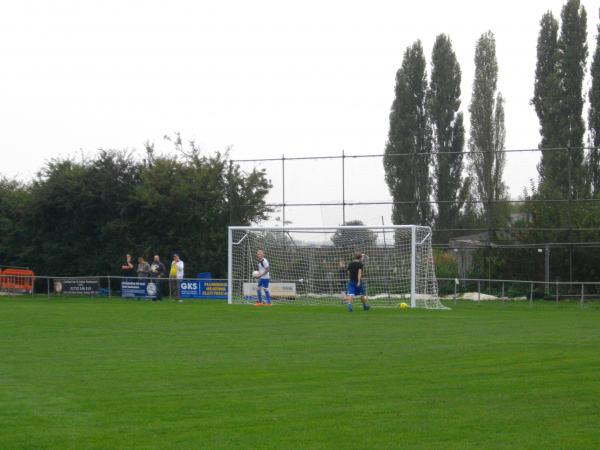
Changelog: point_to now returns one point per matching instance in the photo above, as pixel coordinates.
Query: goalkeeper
(263, 279)
(356, 285)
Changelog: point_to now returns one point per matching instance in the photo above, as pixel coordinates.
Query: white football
(255, 274)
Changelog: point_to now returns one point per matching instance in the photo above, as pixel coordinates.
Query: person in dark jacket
(128, 269)
(157, 271)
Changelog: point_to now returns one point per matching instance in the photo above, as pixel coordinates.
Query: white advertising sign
(283, 290)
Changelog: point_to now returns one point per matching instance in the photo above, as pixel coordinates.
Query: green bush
(446, 266)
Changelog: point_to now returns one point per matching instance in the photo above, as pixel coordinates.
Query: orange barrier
(17, 281)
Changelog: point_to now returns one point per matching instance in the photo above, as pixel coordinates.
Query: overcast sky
(266, 77)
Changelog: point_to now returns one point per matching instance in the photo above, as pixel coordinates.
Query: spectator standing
(143, 268)
(176, 274)
(157, 271)
(128, 269)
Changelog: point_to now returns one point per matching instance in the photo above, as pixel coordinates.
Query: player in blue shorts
(263, 279)
(356, 284)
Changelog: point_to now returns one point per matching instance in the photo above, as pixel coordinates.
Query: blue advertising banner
(213, 289)
(138, 289)
(207, 289)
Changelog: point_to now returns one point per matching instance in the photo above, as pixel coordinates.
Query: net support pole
(413, 267)
(455, 290)
(283, 191)
(531, 294)
(229, 265)
(344, 188)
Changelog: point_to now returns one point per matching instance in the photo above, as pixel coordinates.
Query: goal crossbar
(347, 227)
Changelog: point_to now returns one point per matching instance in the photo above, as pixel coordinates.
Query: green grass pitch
(100, 373)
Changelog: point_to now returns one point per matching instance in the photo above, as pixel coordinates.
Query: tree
(14, 199)
(407, 152)
(81, 217)
(572, 45)
(487, 134)
(448, 132)
(558, 101)
(354, 240)
(546, 99)
(188, 204)
(593, 157)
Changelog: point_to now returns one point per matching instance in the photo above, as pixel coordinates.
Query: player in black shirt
(356, 284)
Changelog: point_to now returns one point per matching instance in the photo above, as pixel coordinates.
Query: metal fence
(485, 289)
(452, 290)
(331, 190)
(346, 182)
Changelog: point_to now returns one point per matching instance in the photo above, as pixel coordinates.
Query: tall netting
(308, 265)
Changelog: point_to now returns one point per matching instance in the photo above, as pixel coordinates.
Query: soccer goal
(308, 264)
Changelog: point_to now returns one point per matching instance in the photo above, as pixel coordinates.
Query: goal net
(309, 265)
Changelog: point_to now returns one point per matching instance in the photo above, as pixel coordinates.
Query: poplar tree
(546, 98)
(407, 176)
(487, 134)
(558, 100)
(593, 159)
(572, 45)
(448, 132)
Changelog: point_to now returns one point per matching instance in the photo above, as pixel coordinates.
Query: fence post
(478, 292)
(109, 289)
(582, 287)
(503, 298)
(455, 291)
(557, 292)
(48, 286)
(547, 270)
(531, 295)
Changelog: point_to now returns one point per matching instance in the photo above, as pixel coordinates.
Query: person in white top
(176, 274)
(263, 279)
(179, 266)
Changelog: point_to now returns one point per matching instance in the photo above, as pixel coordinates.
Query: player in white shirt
(263, 279)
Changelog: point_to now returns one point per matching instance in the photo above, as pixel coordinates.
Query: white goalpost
(308, 264)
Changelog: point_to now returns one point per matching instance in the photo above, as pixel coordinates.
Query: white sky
(267, 77)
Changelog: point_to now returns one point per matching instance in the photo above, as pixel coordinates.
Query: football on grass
(255, 274)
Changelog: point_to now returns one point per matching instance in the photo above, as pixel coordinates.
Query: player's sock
(366, 306)
(268, 296)
(259, 295)
(349, 307)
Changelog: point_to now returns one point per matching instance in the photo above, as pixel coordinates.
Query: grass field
(93, 373)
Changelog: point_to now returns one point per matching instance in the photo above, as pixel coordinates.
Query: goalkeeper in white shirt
(263, 279)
